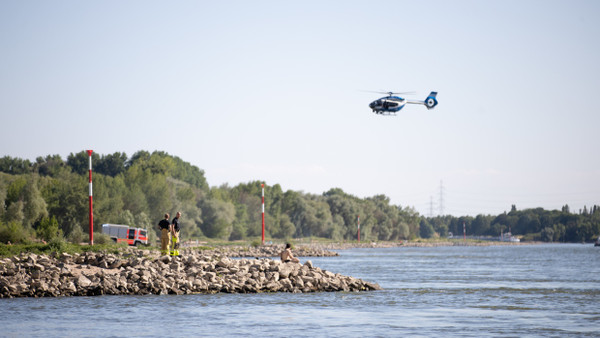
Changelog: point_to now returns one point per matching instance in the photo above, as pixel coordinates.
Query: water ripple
(544, 290)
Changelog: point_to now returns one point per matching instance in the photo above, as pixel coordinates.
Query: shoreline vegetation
(235, 268)
(47, 199)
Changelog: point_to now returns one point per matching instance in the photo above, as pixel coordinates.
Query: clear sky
(275, 91)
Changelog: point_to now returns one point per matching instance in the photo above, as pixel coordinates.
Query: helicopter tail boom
(430, 101)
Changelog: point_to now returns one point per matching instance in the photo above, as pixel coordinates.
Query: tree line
(48, 198)
(532, 224)
(138, 190)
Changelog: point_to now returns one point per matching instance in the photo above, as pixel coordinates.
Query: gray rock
(225, 262)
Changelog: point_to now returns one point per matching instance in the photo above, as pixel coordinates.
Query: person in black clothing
(175, 234)
(165, 235)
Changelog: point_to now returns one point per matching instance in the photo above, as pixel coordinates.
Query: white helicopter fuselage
(389, 104)
(392, 104)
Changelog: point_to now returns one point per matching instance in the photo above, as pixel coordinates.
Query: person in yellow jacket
(165, 235)
(175, 234)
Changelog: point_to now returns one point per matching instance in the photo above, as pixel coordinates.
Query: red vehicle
(124, 233)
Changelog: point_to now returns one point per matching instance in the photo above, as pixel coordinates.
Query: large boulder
(83, 282)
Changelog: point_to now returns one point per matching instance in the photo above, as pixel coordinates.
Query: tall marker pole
(358, 219)
(91, 205)
(263, 213)
(464, 232)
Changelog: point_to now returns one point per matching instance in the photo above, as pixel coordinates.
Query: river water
(516, 291)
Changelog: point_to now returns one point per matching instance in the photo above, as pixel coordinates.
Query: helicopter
(390, 105)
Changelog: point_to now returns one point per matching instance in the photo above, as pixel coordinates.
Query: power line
(441, 197)
(430, 206)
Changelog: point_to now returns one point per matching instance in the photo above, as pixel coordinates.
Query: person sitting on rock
(287, 256)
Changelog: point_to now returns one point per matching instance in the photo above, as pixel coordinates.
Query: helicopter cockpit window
(392, 104)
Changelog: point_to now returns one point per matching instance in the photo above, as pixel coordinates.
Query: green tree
(24, 201)
(547, 234)
(15, 190)
(336, 230)
(559, 232)
(218, 219)
(480, 225)
(15, 166)
(50, 165)
(403, 230)
(67, 199)
(48, 229)
(239, 229)
(126, 218)
(425, 229)
(34, 208)
(109, 195)
(111, 164)
(14, 213)
(345, 210)
(80, 162)
(286, 228)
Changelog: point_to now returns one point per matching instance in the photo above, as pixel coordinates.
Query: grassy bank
(57, 246)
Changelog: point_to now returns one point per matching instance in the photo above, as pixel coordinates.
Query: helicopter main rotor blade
(389, 92)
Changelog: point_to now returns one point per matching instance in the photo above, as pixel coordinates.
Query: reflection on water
(549, 290)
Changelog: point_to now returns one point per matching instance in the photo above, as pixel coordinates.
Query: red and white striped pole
(91, 205)
(358, 218)
(263, 213)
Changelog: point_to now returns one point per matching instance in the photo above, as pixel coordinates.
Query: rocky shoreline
(409, 244)
(268, 251)
(141, 272)
(324, 249)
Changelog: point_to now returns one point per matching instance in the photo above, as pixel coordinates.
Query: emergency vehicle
(124, 233)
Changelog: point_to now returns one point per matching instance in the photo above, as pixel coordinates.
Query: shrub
(8, 250)
(48, 229)
(100, 238)
(13, 232)
(77, 235)
(57, 244)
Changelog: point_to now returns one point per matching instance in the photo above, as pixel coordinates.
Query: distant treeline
(48, 199)
(533, 224)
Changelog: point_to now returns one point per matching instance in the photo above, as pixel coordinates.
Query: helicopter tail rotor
(431, 101)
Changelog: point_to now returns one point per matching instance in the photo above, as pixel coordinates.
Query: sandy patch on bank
(89, 270)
